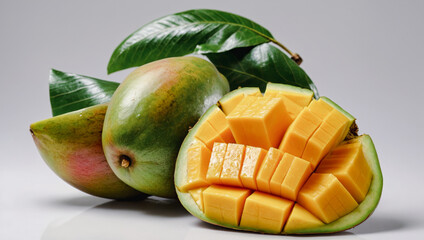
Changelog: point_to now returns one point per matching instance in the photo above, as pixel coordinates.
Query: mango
(296, 167)
(71, 145)
(150, 114)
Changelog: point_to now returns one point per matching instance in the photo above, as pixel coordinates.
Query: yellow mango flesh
(289, 176)
(293, 102)
(325, 137)
(300, 219)
(218, 122)
(236, 122)
(269, 164)
(259, 121)
(248, 121)
(320, 108)
(231, 168)
(224, 204)
(300, 98)
(280, 173)
(299, 132)
(296, 176)
(284, 177)
(215, 164)
(198, 163)
(208, 135)
(228, 105)
(197, 195)
(265, 212)
(348, 164)
(272, 118)
(326, 197)
(293, 109)
(252, 161)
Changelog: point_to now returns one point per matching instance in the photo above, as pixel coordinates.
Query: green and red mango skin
(150, 114)
(71, 146)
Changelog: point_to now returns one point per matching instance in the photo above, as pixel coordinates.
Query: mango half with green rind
(71, 145)
(149, 116)
(193, 199)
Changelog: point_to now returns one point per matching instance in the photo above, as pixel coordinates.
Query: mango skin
(71, 145)
(150, 114)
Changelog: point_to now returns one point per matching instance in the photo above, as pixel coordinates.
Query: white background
(365, 55)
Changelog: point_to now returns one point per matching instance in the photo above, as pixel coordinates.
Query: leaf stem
(294, 56)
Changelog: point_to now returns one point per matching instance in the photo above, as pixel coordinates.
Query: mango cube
(300, 219)
(265, 212)
(215, 164)
(251, 164)
(224, 204)
(326, 197)
(280, 173)
(236, 122)
(269, 164)
(293, 109)
(296, 176)
(348, 164)
(265, 122)
(262, 123)
(229, 104)
(198, 157)
(299, 132)
(230, 174)
(320, 108)
(293, 102)
(325, 137)
(218, 122)
(208, 135)
(197, 195)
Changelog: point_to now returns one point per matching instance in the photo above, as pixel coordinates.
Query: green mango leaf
(255, 66)
(70, 92)
(193, 31)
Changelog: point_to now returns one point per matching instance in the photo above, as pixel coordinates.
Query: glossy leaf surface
(193, 31)
(70, 92)
(255, 66)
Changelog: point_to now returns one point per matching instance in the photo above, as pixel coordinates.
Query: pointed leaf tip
(70, 92)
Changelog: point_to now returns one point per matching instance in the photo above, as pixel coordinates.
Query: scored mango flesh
(282, 167)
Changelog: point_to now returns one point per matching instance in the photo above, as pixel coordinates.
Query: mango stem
(125, 161)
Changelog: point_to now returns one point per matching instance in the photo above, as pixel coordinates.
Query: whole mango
(149, 116)
(71, 145)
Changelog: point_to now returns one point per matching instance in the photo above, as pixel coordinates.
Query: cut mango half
(280, 163)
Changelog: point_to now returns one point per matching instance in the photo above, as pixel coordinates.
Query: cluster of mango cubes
(276, 162)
